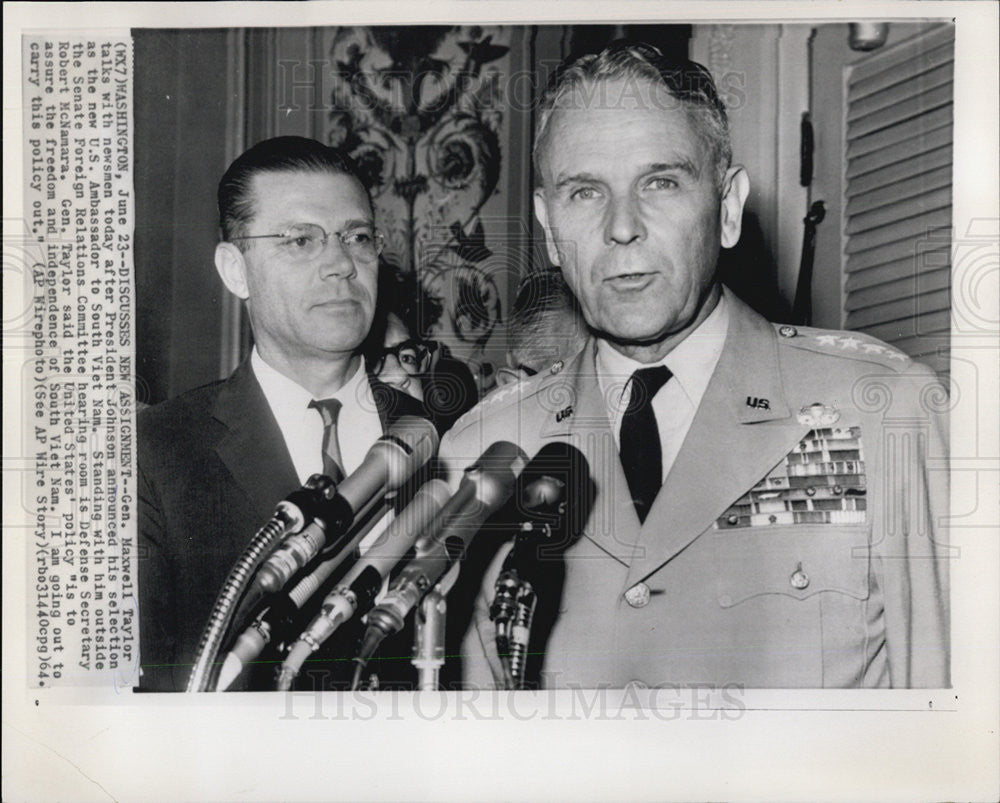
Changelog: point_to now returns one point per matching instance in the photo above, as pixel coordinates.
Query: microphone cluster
(414, 561)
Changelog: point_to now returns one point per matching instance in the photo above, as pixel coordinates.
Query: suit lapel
(252, 448)
(579, 416)
(730, 445)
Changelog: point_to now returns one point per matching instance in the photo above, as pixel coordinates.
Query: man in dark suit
(300, 248)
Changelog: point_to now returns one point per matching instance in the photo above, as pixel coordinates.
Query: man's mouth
(335, 302)
(629, 281)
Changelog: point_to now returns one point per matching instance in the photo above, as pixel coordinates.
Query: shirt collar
(692, 361)
(287, 397)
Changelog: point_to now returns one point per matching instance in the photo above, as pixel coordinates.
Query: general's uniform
(796, 541)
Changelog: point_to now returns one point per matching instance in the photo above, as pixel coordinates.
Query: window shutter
(897, 218)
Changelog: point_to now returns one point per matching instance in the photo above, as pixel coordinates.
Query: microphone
(258, 634)
(390, 462)
(359, 587)
(299, 507)
(557, 472)
(486, 485)
(289, 516)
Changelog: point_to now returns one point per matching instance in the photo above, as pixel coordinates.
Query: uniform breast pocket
(794, 562)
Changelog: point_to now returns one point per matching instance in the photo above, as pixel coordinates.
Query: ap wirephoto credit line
(78, 196)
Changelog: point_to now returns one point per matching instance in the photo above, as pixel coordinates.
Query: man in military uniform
(769, 498)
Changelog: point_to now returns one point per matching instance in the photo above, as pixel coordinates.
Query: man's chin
(336, 348)
(637, 339)
(635, 332)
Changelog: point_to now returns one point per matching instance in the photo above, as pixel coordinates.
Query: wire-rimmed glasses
(303, 242)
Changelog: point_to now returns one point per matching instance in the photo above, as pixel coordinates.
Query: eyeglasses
(413, 356)
(304, 242)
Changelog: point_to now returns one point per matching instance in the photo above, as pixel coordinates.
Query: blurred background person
(401, 353)
(545, 327)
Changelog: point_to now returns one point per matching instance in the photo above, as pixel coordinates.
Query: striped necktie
(333, 463)
(641, 456)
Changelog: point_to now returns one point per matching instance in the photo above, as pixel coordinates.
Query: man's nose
(623, 222)
(334, 261)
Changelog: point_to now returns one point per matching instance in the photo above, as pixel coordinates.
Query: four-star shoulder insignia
(501, 397)
(852, 345)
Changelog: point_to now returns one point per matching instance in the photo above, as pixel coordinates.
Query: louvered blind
(898, 196)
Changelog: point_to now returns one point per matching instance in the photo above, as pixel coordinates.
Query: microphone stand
(513, 612)
(429, 639)
(520, 633)
(289, 517)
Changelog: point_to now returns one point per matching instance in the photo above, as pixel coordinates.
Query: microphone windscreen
(556, 483)
(418, 441)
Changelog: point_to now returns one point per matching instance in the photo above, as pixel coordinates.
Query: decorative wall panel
(426, 112)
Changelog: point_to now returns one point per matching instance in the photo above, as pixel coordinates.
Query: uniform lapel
(733, 442)
(577, 414)
(252, 448)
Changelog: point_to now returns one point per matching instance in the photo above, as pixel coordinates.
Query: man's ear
(232, 268)
(542, 215)
(735, 190)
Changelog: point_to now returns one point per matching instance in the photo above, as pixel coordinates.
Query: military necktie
(641, 455)
(333, 463)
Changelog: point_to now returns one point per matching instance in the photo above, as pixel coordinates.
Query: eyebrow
(679, 166)
(356, 223)
(350, 224)
(578, 178)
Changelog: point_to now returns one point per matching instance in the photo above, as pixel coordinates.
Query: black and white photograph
(616, 388)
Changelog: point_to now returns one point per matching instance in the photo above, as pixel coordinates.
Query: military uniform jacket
(796, 541)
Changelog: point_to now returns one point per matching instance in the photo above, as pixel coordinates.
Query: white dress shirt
(358, 424)
(691, 362)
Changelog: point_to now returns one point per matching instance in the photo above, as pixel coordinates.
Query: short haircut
(686, 81)
(545, 322)
(277, 155)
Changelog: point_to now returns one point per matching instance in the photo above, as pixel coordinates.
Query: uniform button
(788, 331)
(772, 518)
(799, 579)
(732, 518)
(810, 491)
(557, 366)
(838, 490)
(638, 595)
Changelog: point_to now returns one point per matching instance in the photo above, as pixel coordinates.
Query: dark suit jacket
(212, 466)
